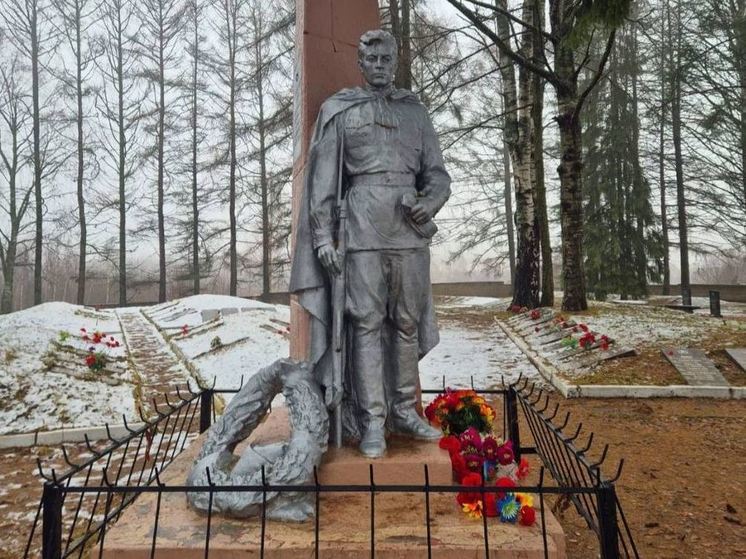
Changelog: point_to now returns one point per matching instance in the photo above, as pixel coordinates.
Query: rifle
(334, 400)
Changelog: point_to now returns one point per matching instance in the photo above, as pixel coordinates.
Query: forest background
(146, 147)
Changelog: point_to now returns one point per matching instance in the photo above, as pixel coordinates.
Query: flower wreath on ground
(479, 458)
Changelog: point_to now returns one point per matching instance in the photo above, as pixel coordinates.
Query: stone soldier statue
(377, 142)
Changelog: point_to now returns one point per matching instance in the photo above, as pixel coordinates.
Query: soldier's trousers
(387, 292)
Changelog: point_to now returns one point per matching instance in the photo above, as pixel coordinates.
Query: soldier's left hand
(422, 212)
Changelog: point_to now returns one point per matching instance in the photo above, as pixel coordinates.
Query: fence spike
(158, 477)
(214, 380)
(189, 387)
(444, 383)
(126, 426)
(577, 433)
(155, 406)
(546, 404)
(178, 393)
(565, 422)
(240, 386)
(165, 395)
(471, 381)
(525, 383)
(554, 413)
(502, 381)
(209, 477)
(538, 397)
(108, 433)
(533, 385)
(603, 457)
(141, 414)
(41, 470)
(67, 458)
(105, 474)
(618, 472)
(588, 446)
(88, 444)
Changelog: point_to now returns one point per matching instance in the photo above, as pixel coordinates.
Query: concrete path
(158, 367)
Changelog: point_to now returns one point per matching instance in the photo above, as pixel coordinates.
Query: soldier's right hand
(329, 259)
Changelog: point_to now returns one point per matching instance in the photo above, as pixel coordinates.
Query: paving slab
(694, 365)
(738, 354)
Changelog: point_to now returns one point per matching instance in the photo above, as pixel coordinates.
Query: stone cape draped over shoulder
(308, 279)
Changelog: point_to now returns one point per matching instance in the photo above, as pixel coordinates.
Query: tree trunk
(83, 246)
(233, 285)
(195, 206)
(517, 136)
(678, 157)
(6, 302)
(39, 201)
(122, 168)
(508, 198)
(537, 138)
(571, 192)
(161, 164)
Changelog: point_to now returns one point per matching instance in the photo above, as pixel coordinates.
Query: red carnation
(505, 455)
(474, 462)
(527, 516)
(504, 482)
(450, 443)
(523, 468)
(458, 465)
(471, 480)
(583, 327)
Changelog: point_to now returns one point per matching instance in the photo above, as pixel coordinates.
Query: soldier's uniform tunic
(389, 149)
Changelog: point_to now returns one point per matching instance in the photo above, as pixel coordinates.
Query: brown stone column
(327, 33)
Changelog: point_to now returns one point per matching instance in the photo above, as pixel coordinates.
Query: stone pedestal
(327, 34)
(399, 527)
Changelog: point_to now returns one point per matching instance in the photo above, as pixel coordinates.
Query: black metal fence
(78, 507)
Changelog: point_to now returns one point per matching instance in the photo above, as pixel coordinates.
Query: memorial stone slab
(530, 327)
(695, 367)
(209, 314)
(738, 355)
(228, 311)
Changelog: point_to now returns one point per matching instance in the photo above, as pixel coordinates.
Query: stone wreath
(286, 463)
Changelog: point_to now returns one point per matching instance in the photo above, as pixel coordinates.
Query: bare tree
(24, 20)
(161, 26)
(118, 101)
(569, 22)
(74, 25)
(15, 134)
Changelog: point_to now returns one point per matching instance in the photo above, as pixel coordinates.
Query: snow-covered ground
(45, 384)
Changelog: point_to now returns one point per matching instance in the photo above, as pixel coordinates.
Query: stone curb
(71, 435)
(568, 390)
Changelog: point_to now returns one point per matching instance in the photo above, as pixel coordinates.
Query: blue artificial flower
(509, 508)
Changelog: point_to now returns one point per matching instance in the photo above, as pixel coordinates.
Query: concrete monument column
(327, 35)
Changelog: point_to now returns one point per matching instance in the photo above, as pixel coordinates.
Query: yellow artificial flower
(473, 510)
(526, 499)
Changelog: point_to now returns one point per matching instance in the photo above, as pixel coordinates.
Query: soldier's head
(376, 57)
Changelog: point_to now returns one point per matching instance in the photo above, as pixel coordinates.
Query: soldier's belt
(382, 179)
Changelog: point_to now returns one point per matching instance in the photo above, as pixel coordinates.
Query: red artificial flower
(535, 314)
(583, 327)
(536, 328)
(83, 330)
(489, 448)
(458, 465)
(471, 480)
(504, 482)
(490, 505)
(450, 443)
(90, 360)
(523, 468)
(505, 455)
(471, 442)
(474, 462)
(86, 338)
(574, 328)
(527, 516)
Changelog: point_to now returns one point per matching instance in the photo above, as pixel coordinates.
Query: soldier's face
(378, 64)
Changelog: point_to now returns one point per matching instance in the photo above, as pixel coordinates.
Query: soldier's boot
(368, 373)
(403, 416)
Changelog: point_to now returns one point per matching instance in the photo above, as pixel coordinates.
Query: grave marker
(695, 367)
(715, 303)
(738, 354)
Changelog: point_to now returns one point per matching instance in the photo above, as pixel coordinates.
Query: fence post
(205, 410)
(51, 542)
(511, 410)
(608, 534)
